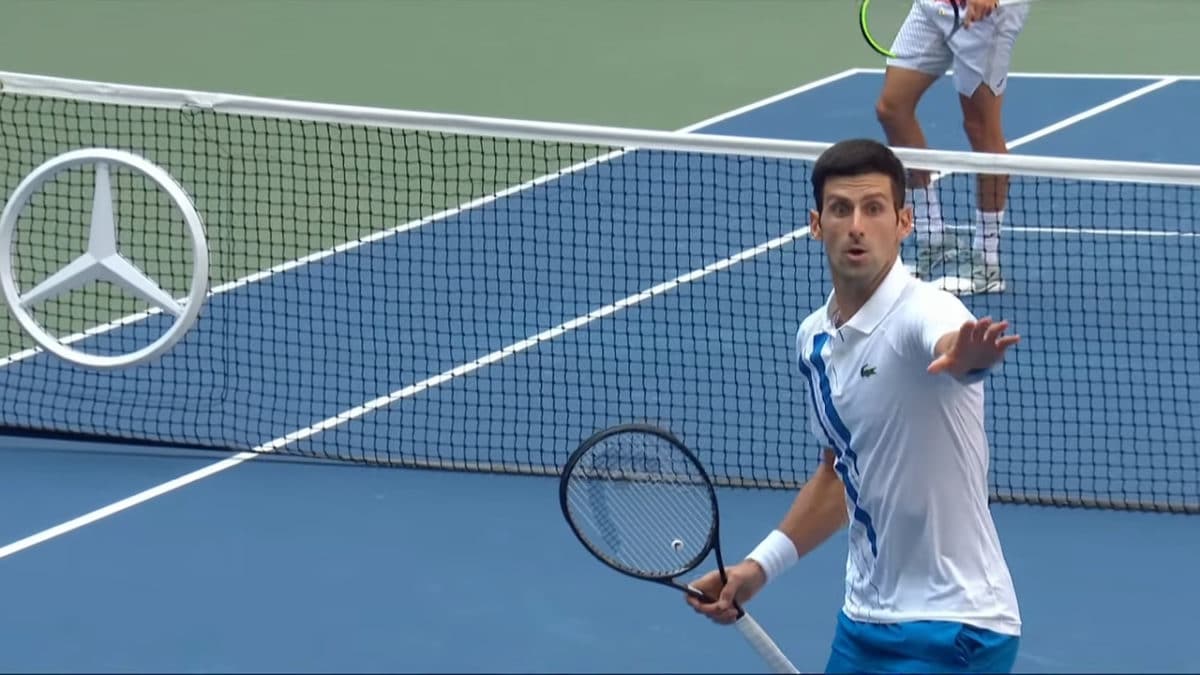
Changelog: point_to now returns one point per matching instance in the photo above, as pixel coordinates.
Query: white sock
(987, 235)
(927, 215)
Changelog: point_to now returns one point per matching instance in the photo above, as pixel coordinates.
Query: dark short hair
(857, 157)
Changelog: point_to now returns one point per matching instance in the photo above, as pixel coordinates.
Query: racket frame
(864, 11)
(955, 5)
(753, 633)
(712, 545)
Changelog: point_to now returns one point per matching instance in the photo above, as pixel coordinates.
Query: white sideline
(358, 411)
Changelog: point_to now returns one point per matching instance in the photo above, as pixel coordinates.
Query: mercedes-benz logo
(102, 261)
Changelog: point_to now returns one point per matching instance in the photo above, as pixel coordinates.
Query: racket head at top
(641, 502)
(886, 34)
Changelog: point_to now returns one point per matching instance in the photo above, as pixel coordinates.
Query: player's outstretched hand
(979, 345)
(744, 580)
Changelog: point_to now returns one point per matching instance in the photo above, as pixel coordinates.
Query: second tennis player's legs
(904, 83)
(897, 113)
(985, 131)
(982, 57)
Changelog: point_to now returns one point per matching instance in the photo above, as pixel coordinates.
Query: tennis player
(980, 54)
(894, 369)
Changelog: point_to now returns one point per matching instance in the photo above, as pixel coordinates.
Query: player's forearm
(817, 512)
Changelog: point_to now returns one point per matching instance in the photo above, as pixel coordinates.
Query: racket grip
(764, 645)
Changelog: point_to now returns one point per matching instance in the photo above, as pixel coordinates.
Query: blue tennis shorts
(919, 647)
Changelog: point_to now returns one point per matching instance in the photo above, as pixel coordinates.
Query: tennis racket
(641, 502)
(880, 30)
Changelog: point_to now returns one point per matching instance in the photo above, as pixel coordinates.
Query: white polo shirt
(913, 456)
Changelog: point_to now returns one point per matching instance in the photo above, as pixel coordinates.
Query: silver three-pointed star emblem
(102, 261)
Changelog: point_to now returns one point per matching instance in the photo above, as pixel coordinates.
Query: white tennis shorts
(981, 54)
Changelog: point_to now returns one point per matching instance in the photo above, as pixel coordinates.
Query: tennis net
(425, 290)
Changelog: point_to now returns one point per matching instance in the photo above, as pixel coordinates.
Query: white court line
(1093, 111)
(410, 390)
(435, 217)
(1081, 116)
(808, 86)
(383, 401)
(1059, 126)
(353, 413)
(1094, 231)
(1070, 76)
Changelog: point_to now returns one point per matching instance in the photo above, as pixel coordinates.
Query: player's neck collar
(867, 318)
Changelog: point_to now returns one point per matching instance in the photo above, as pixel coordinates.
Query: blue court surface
(269, 565)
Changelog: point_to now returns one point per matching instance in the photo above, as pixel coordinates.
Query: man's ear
(906, 221)
(814, 224)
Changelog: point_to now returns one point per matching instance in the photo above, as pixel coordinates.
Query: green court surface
(645, 63)
(642, 63)
(461, 343)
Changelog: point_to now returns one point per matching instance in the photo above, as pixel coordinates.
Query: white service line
(320, 255)
(405, 392)
(1029, 75)
(1079, 117)
(360, 410)
(1093, 111)
(522, 345)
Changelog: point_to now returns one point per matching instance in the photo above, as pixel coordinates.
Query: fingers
(971, 15)
(978, 10)
(709, 584)
(722, 610)
(727, 603)
(995, 336)
(990, 333)
(977, 345)
(1008, 341)
(980, 329)
(984, 331)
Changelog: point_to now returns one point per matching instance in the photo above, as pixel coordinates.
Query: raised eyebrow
(867, 197)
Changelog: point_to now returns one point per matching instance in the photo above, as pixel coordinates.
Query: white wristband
(775, 554)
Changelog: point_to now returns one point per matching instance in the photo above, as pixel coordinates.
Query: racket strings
(625, 516)
(642, 505)
(644, 527)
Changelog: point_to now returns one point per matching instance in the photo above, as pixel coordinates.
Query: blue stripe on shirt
(837, 432)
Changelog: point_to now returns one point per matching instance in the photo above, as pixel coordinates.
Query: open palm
(979, 345)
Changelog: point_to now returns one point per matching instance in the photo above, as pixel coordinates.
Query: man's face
(860, 226)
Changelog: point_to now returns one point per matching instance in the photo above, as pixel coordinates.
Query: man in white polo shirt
(894, 368)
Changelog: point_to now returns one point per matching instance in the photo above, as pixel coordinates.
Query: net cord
(235, 104)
